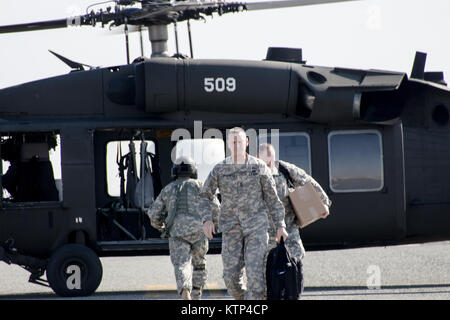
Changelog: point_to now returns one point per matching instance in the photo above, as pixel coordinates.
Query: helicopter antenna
(176, 36)
(141, 41)
(127, 44)
(72, 64)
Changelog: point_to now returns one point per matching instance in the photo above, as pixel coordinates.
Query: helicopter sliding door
(366, 185)
(31, 190)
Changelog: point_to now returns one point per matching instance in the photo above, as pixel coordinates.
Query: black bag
(284, 276)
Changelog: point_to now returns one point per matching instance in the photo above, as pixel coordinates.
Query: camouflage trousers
(247, 250)
(188, 256)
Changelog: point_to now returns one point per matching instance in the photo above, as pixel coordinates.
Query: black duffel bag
(284, 276)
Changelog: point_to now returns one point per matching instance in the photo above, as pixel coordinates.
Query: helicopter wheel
(74, 270)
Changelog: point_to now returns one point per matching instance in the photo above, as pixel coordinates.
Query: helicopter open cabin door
(125, 161)
(31, 189)
(365, 183)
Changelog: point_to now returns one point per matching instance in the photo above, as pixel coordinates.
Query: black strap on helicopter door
(120, 160)
(156, 173)
(132, 178)
(144, 194)
(128, 183)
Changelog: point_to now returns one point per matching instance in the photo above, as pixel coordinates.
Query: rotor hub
(158, 35)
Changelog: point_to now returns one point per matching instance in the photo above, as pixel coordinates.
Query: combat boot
(185, 294)
(196, 293)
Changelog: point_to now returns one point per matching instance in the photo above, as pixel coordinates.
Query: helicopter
(375, 140)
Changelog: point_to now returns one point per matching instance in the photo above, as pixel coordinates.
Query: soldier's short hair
(263, 147)
(236, 130)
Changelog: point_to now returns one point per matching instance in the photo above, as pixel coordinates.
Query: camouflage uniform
(299, 178)
(248, 196)
(187, 243)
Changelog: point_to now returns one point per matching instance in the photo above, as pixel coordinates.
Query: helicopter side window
(293, 147)
(31, 167)
(205, 152)
(355, 161)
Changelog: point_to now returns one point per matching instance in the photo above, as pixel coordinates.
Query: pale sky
(366, 34)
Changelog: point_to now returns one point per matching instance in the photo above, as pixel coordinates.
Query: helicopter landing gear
(74, 270)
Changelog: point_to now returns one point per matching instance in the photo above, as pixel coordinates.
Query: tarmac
(405, 272)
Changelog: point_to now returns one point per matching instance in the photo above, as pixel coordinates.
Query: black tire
(74, 270)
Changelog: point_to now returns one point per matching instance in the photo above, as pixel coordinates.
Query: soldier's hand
(208, 229)
(281, 232)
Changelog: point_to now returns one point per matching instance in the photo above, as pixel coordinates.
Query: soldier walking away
(175, 213)
(248, 196)
(286, 176)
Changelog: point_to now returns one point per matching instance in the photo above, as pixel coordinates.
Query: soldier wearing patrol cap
(175, 213)
(248, 195)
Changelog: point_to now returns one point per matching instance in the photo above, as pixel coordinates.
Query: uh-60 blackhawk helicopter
(377, 141)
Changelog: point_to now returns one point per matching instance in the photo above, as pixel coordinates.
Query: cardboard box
(307, 204)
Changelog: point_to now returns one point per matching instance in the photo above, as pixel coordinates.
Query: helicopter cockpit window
(205, 152)
(293, 147)
(355, 161)
(30, 167)
(116, 151)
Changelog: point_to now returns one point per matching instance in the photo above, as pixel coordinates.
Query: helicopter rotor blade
(34, 26)
(179, 11)
(261, 5)
(154, 13)
(88, 19)
(144, 14)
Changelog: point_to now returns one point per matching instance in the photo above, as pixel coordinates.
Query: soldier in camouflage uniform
(248, 196)
(299, 178)
(175, 213)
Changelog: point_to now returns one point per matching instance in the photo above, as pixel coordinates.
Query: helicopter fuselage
(87, 108)
(375, 140)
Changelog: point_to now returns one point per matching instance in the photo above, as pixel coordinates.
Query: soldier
(175, 213)
(248, 196)
(299, 177)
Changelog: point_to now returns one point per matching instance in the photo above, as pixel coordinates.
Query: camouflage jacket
(299, 178)
(248, 195)
(179, 198)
